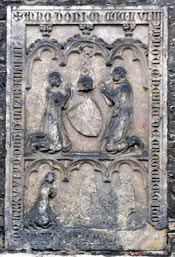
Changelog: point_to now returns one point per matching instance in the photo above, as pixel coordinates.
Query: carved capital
(46, 30)
(129, 28)
(86, 29)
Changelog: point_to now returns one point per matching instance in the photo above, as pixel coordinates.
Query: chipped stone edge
(8, 129)
(156, 254)
(8, 175)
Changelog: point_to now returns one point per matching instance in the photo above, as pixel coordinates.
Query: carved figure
(107, 207)
(52, 122)
(128, 215)
(41, 215)
(119, 96)
(87, 190)
(53, 136)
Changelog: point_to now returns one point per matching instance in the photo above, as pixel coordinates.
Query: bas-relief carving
(41, 214)
(53, 136)
(86, 201)
(86, 116)
(86, 84)
(118, 130)
(131, 215)
(86, 142)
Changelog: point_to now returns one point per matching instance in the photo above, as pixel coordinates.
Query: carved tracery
(110, 52)
(80, 139)
(90, 116)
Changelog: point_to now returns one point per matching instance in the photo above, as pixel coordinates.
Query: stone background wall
(2, 113)
(171, 90)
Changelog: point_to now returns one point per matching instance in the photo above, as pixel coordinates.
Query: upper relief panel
(86, 128)
(103, 68)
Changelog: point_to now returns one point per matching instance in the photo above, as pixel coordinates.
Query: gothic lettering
(17, 140)
(156, 121)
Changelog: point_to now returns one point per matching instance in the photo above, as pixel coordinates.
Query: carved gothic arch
(135, 165)
(34, 54)
(73, 45)
(139, 54)
(54, 165)
(76, 165)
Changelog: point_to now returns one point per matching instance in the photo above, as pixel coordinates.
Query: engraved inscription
(86, 164)
(155, 125)
(84, 16)
(17, 141)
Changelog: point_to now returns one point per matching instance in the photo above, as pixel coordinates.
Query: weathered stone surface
(2, 116)
(158, 254)
(86, 129)
(171, 128)
(93, 2)
(86, 118)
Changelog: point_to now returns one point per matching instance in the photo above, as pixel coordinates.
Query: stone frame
(157, 188)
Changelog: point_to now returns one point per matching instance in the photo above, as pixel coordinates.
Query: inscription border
(157, 144)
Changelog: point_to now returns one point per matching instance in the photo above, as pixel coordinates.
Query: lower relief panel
(86, 213)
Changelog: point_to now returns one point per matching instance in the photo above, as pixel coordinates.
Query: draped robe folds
(119, 127)
(52, 124)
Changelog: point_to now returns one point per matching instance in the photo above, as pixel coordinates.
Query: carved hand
(116, 110)
(103, 87)
(52, 192)
(68, 88)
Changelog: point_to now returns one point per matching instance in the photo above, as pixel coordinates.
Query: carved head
(125, 177)
(88, 51)
(49, 177)
(85, 83)
(55, 79)
(118, 73)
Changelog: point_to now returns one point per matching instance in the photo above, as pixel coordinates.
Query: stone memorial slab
(86, 129)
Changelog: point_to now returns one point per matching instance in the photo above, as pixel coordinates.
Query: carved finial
(46, 29)
(129, 28)
(86, 28)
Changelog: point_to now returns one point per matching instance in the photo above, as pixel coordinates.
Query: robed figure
(119, 96)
